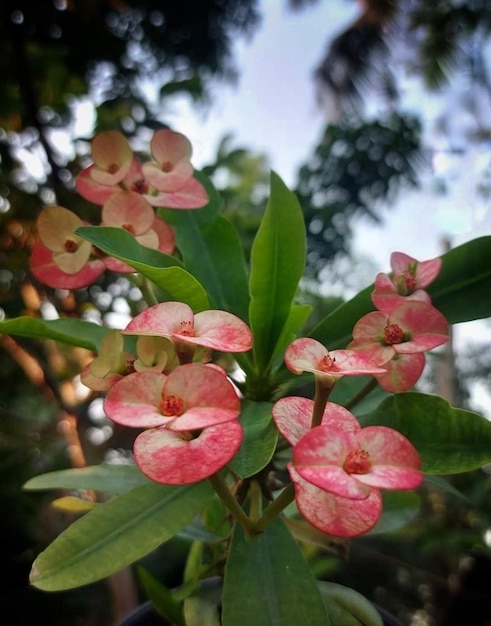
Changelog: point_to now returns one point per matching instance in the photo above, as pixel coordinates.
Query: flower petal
(221, 330)
(402, 372)
(170, 459)
(162, 319)
(135, 399)
(334, 515)
(192, 195)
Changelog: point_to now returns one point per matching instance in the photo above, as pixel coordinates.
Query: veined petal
(129, 210)
(161, 319)
(402, 372)
(44, 268)
(221, 330)
(169, 458)
(293, 415)
(334, 515)
(135, 400)
(192, 195)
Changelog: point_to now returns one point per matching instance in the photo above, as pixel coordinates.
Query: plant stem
(256, 498)
(370, 386)
(322, 393)
(237, 512)
(274, 509)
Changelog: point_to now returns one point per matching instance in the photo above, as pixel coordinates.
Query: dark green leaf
(116, 534)
(463, 287)
(269, 583)
(448, 440)
(162, 598)
(399, 508)
(259, 442)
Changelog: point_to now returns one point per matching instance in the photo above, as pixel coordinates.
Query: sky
(273, 110)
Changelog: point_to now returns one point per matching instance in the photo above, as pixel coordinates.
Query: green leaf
(297, 318)
(277, 265)
(116, 534)
(399, 508)
(259, 442)
(268, 582)
(71, 331)
(347, 607)
(465, 276)
(448, 440)
(212, 252)
(162, 598)
(104, 478)
(165, 271)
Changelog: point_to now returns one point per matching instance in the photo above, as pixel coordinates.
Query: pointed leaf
(213, 253)
(277, 265)
(163, 270)
(464, 277)
(103, 478)
(71, 331)
(116, 534)
(448, 440)
(269, 583)
(259, 440)
(162, 598)
(347, 607)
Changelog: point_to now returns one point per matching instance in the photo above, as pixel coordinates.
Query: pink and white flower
(351, 464)
(408, 281)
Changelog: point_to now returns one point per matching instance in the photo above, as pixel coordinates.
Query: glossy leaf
(103, 478)
(259, 440)
(268, 582)
(464, 277)
(213, 253)
(277, 265)
(347, 607)
(116, 534)
(163, 270)
(399, 508)
(71, 331)
(448, 440)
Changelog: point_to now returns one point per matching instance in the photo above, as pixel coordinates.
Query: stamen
(357, 462)
(393, 333)
(328, 364)
(172, 405)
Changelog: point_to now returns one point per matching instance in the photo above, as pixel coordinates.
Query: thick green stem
(369, 387)
(237, 512)
(274, 509)
(256, 500)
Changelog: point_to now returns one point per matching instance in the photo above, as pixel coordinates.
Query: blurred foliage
(356, 166)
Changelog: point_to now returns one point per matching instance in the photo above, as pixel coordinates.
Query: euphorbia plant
(212, 373)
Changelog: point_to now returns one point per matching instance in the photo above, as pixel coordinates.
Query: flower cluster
(338, 467)
(186, 406)
(128, 191)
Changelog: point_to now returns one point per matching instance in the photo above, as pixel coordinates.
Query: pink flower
(190, 417)
(182, 191)
(351, 464)
(412, 327)
(335, 515)
(171, 167)
(173, 458)
(112, 156)
(62, 259)
(407, 282)
(331, 514)
(292, 416)
(214, 329)
(191, 397)
(308, 355)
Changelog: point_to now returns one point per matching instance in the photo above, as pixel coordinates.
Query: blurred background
(377, 113)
